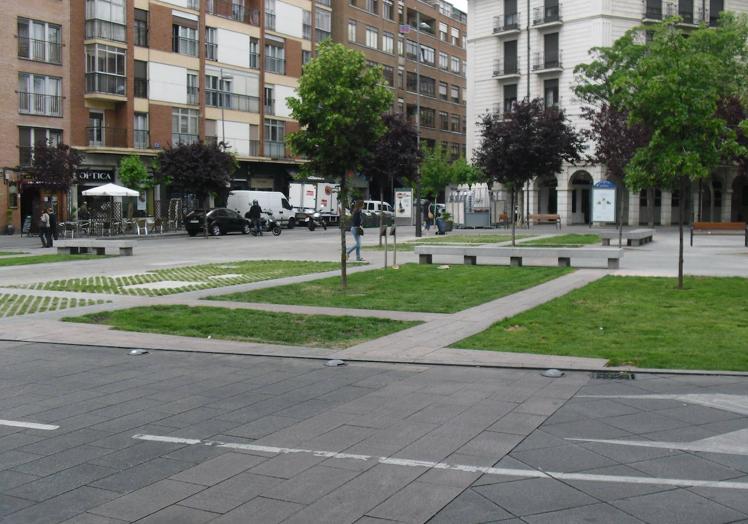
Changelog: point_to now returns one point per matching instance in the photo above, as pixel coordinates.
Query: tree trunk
(512, 214)
(682, 205)
(419, 211)
(381, 214)
(620, 220)
(343, 255)
(206, 202)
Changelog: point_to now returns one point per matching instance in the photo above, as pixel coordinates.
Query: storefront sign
(604, 201)
(95, 177)
(403, 203)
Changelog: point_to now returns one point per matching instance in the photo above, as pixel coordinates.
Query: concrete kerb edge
(581, 369)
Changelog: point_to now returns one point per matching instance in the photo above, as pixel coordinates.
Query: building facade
(529, 48)
(409, 38)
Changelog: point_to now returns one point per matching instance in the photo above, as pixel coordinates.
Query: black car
(220, 222)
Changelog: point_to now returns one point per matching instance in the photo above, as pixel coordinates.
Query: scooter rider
(254, 214)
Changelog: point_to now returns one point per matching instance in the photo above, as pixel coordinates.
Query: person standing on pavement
(52, 223)
(44, 229)
(427, 215)
(254, 214)
(357, 229)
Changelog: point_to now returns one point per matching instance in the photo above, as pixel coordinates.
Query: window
(427, 54)
(96, 131)
(388, 43)
(411, 50)
(388, 10)
(454, 93)
(389, 75)
(141, 28)
(411, 82)
(306, 56)
(105, 69)
(323, 24)
(140, 131)
(141, 79)
(715, 9)
(192, 88)
(39, 41)
(184, 125)
(443, 90)
(238, 10)
(550, 92)
(39, 95)
(427, 117)
(270, 14)
(372, 6)
(275, 59)
(351, 31)
(454, 123)
(269, 99)
(106, 19)
(184, 40)
(550, 51)
(510, 57)
(28, 137)
(428, 86)
(454, 151)
(455, 36)
(211, 43)
(254, 53)
(443, 34)
(454, 64)
(400, 46)
(372, 38)
(306, 32)
(443, 60)
(275, 134)
(443, 121)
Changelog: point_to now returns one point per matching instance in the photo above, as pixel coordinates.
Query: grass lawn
(490, 238)
(41, 259)
(638, 321)
(204, 276)
(247, 325)
(10, 253)
(413, 287)
(570, 240)
(12, 305)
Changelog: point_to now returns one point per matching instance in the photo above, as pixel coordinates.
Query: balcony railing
(275, 149)
(546, 15)
(106, 137)
(505, 23)
(105, 29)
(270, 107)
(141, 139)
(105, 83)
(184, 46)
(233, 11)
(549, 62)
(193, 95)
(275, 65)
(270, 21)
(36, 104)
(184, 138)
(233, 101)
(40, 50)
(502, 69)
(211, 51)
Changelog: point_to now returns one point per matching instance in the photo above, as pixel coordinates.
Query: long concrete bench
(633, 237)
(99, 247)
(720, 228)
(603, 257)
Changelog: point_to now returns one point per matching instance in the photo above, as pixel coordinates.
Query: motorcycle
(268, 224)
(314, 220)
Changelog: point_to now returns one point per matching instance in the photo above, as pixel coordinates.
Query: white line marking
(527, 473)
(731, 403)
(30, 425)
(733, 443)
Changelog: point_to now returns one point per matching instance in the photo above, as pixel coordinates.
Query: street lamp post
(419, 25)
(221, 79)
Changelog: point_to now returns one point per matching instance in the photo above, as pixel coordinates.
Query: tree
(531, 141)
(133, 174)
(436, 171)
(198, 168)
(395, 156)
(467, 174)
(339, 105)
(672, 85)
(54, 166)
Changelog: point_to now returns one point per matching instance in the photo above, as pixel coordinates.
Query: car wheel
(312, 226)
(291, 223)
(215, 230)
(191, 233)
(246, 229)
(276, 230)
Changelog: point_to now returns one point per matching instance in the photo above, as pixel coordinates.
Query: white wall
(242, 83)
(167, 83)
(233, 48)
(237, 136)
(281, 93)
(289, 19)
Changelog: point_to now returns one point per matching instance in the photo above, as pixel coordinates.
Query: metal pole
(418, 122)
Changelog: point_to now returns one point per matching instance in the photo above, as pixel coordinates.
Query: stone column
(633, 208)
(563, 200)
(666, 208)
(726, 205)
(695, 206)
(532, 196)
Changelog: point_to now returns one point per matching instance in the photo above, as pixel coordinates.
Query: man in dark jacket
(254, 214)
(52, 223)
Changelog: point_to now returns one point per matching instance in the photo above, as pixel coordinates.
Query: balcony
(232, 101)
(548, 63)
(39, 50)
(506, 25)
(141, 139)
(503, 70)
(184, 138)
(105, 84)
(105, 30)
(211, 51)
(36, 104)
(106, 137)
(275, 149)
(233, 11)
(275, 65)
(548, 16)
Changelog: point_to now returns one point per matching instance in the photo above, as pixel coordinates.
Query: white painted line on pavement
(733, 443)
(732, 403)
(30, 425)
(508, 472)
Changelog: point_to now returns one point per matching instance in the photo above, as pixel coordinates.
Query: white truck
(274, 201)
(316, 203)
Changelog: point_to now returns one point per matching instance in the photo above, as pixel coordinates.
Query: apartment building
(134, 76)
(529, 48)
(407, 38)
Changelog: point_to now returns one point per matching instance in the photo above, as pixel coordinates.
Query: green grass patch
(12, 305)
(644, 322)
(11, 253)
(42, 259)
(204, 276)
(570, 240)
(247, 325)
(472, 240)
(411, 288)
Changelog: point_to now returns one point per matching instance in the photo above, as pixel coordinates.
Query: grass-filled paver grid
(12, 305)
(638, 321)
(413, 287)
(568, 240)
(204, 276)
(458, 239)
(248, 325)
(8, 260)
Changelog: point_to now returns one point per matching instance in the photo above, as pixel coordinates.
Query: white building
(529, 48)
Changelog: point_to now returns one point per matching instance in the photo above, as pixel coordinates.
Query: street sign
(604, 201)
(404, 29)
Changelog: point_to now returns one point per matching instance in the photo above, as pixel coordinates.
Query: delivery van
(275, 201)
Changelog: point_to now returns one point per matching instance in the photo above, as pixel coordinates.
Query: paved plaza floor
(94, 435)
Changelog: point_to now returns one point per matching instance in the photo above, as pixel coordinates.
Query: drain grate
(614, 375)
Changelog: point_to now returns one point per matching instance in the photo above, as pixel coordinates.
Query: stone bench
(720, 228)
(99, 247)
(602, 257)
(633, 237)
(546, 218)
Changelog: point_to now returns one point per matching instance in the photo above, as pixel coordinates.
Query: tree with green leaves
(533, 140)
(672, 85)
(464, 173)
(133, 174)
(339, 105)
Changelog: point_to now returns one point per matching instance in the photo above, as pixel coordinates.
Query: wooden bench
(633, 237)
(545, 219)
(564, 256)
(720, 228)
(99, 247)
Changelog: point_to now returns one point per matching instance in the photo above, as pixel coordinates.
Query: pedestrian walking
(52, 222)
(427, 215)
(357, 230)
(254, 214)
(83, 212)
(44, 229)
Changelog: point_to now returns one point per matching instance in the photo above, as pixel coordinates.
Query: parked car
(220, 222)
(371, 213)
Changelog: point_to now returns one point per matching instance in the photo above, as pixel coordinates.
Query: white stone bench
(633, 237)
(99, 247)
(600, 257)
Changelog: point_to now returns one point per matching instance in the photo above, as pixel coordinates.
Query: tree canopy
(54, 166)
(133, 173)
(436, 171)
(395, 156)
(197, 168)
